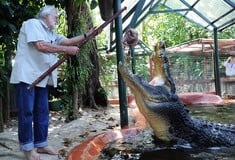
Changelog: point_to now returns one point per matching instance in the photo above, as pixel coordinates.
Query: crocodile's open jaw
(147, 97)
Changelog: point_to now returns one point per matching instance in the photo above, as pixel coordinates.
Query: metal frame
(145, 7)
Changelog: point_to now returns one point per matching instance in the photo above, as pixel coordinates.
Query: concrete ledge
(91, 149)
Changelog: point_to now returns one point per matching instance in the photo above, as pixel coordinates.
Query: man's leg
(41, 121)
(25, 103)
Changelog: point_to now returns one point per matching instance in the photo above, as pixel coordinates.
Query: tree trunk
(84, 68)
(95, 91)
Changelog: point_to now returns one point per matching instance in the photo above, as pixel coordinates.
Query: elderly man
(37, 50)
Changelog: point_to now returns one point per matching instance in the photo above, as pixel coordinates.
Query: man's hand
(71, 50)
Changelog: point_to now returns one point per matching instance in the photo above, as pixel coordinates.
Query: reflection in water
(140, 147)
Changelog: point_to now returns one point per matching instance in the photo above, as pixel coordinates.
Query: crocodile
(169, 117)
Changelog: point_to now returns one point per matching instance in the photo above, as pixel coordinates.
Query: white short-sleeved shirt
(229, 68)
(29, 62)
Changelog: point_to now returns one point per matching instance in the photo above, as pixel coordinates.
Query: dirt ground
(65, 136)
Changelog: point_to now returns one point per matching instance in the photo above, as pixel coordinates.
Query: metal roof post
(216, 64)
(133, 59)
(137, 13)
(119, 50)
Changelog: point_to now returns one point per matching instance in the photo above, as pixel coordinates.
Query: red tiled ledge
(92, 148)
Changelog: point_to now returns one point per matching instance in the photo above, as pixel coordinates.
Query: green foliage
(142, 67)
(12, 14)
(93, 4)
(171, 28)
(108, 70)
(227, 33)
(174, 29)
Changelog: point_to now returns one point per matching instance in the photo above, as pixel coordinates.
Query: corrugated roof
(219, 14)
(208, 14)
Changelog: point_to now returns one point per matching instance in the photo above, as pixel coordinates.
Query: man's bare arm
(53, 48)
(74, 41)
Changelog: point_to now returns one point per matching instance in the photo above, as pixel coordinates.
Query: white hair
(47, 10)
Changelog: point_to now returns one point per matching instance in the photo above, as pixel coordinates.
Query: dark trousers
(33, 116)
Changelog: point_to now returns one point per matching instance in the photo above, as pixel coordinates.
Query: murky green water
(221, 114)
(141, 147)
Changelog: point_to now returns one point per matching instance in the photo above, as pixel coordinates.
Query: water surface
(141, 147)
